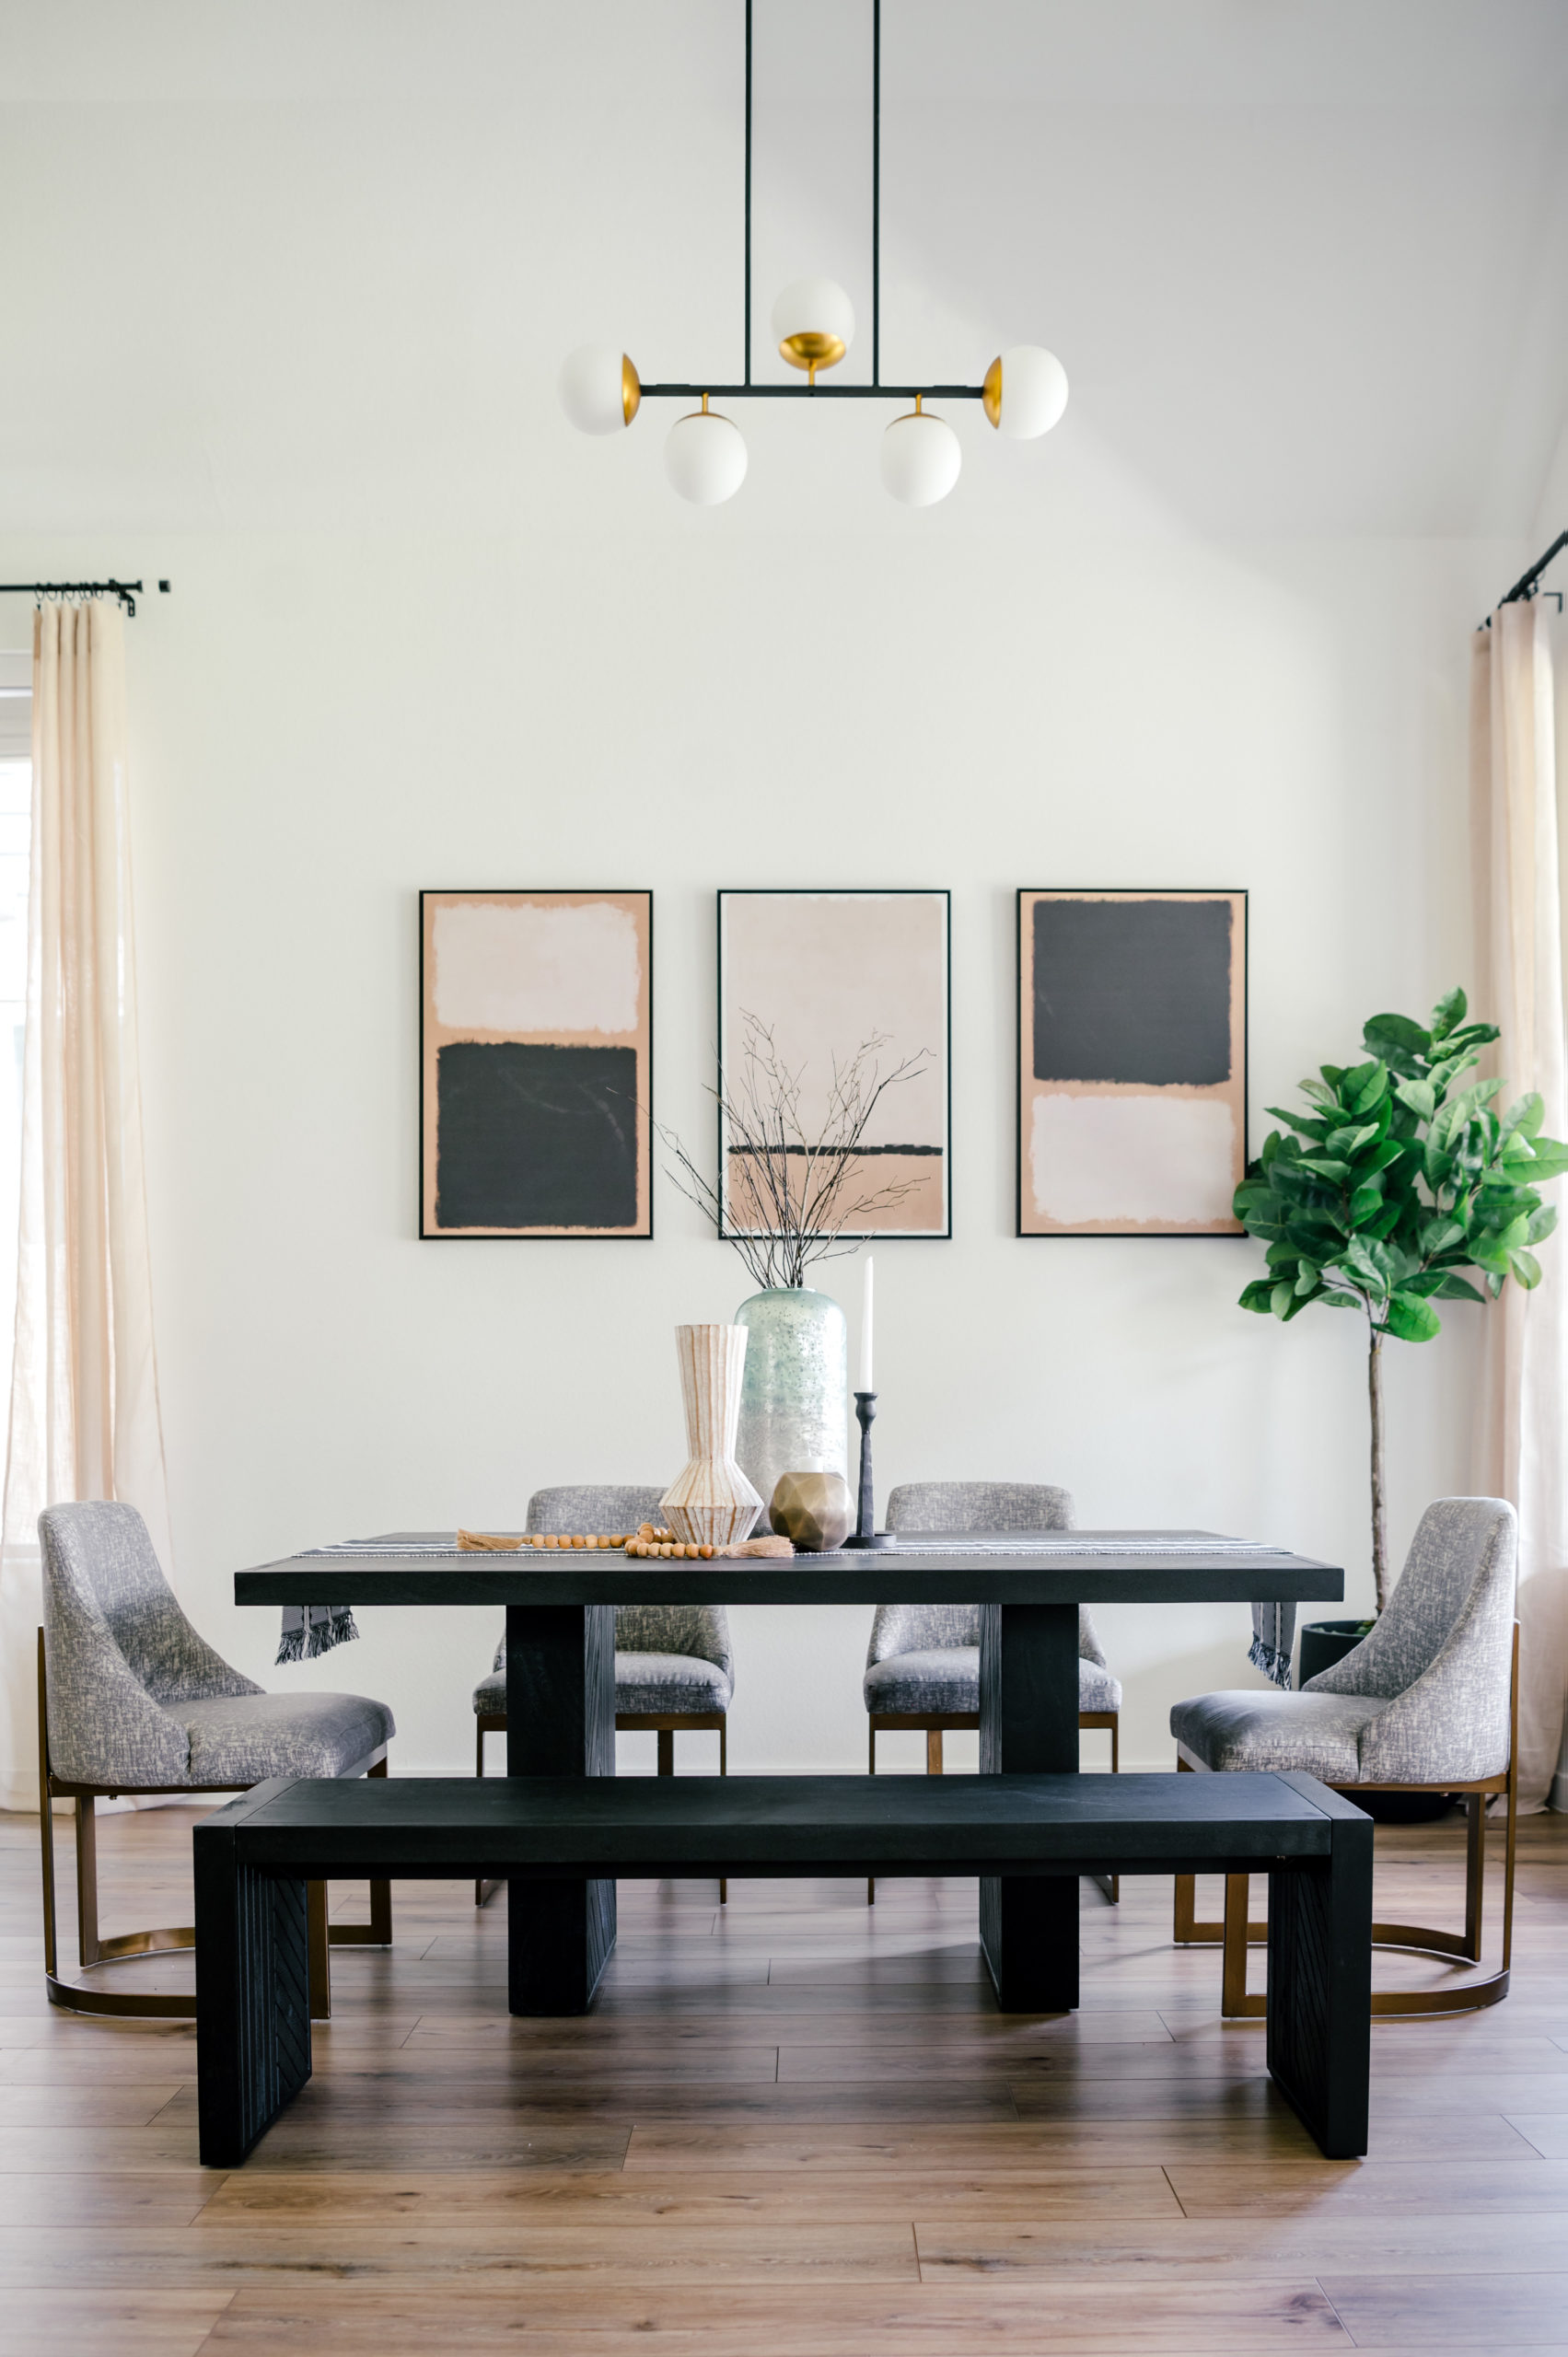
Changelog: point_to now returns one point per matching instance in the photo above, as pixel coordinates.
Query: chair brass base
(665, 1725)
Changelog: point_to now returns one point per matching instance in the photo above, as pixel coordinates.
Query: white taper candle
(865, 1383)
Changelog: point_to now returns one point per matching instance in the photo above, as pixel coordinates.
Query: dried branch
(783, 1199)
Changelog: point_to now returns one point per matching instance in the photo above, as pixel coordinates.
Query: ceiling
(300, 264)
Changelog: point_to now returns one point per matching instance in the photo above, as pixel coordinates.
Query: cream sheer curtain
(1514, 779)
(84, 1415)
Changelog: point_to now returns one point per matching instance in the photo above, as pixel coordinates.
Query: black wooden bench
(255, 1858)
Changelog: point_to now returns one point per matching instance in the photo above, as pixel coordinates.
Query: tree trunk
(1379, 1527)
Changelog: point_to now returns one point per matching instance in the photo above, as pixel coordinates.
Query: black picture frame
(642, 1231)
(851, 891)
(1025, 897)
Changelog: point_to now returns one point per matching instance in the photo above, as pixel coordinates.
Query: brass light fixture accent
(631, 391)
(990, 391)
(811, 351)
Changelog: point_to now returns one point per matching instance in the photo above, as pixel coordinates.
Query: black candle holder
(866, 1533)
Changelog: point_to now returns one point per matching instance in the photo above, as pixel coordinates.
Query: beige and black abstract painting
(822, 973)
(535, 1049)
(1132, 1063)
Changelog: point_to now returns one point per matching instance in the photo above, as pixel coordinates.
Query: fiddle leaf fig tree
(1397, 1189)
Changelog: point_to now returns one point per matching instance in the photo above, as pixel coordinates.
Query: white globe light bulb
(813, 323)
(921, 458)
(1026, 391)
(600, 390)
(705, 457)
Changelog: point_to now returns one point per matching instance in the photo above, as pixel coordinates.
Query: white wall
(290, 287)
(323, 726)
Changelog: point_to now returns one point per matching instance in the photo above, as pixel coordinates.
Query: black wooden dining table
(560, 1607)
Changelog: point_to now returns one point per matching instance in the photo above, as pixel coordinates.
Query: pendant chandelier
(1024, 391)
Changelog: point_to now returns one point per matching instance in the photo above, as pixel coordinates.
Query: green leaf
(1412, 1320)
(1525, 1117)
(1395, 1040)
(1309, 1128)
(1324, 1165)
(1373, 1090)
(1526, 1268)
(1340, 1300)
(1283, 1301)
(1450, 1009)
(1454, 1288)
(1549, 1161)
(1365, 1205)
(1258, 1295)
(1350, 1142)
(1542, 1222)
(1440, 1233)
(1419, 1096)
(1307, 1280)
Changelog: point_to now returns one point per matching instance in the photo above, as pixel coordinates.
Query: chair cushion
(657, 1682)
(938, 1683)
(243, 1739)
(946, 1680)
(669, 1682)
(1317, 1734)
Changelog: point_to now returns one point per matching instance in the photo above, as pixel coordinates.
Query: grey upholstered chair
(923, 1665)
(674, 1670)
(132, 1700)
(1428, 1701)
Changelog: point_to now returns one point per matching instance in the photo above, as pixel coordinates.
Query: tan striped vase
(712, 1502)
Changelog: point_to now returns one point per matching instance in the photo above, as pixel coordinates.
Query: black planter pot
(1323, 1643)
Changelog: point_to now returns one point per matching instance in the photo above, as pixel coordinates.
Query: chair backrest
(1458, 1582)
(967, 1505)
(700, 1630)
(118, 1649)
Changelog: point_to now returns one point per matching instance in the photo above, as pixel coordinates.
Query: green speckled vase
(794, 1393)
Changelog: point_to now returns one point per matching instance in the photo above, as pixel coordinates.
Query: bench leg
(252, 1998)
(1320, 1989)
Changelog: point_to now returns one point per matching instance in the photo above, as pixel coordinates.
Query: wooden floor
(794, 2127)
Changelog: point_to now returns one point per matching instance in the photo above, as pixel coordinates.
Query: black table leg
(1029, 1727)
(559, 1721)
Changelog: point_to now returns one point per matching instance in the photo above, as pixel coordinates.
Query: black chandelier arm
(814, 392)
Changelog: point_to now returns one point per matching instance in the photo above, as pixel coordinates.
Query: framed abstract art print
(536, 1063)
(1132, 1063)
(822, 973)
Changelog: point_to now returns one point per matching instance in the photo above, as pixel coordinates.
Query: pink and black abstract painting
(535, 1063)
(1132, 1063)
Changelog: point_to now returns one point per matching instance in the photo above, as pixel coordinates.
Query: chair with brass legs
(674, 1671)
(1427, 1702)
(131, 1700)
(923, 1665)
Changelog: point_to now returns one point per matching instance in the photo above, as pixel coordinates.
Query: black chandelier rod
(1526, 586)
(876, 389)
(815, 392)
(126, 591)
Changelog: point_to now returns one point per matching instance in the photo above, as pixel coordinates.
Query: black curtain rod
(1524, 587)
(126, 591)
